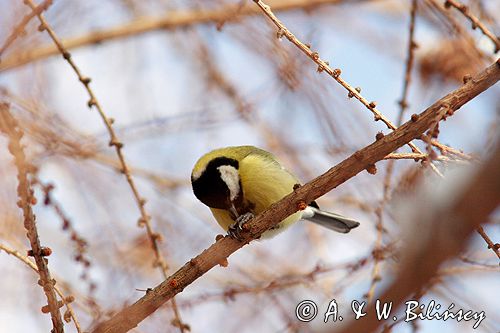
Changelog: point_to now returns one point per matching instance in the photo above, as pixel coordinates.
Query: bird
(239, 182)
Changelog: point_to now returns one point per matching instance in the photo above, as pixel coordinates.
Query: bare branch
(403, 103)
(334, 73)
(476, 23)
(8, 125)
(495, 247)
(132, 315)
(410, 57)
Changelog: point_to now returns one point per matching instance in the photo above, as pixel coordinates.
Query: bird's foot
(234, 229)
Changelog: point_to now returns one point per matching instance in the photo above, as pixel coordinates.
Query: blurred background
(180, 78)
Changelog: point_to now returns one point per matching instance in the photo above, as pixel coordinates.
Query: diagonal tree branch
(476, 23)
(132, 315)
(334, 73)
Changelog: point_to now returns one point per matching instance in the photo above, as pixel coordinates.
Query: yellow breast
(264, 182)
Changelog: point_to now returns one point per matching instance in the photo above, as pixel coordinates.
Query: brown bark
(132, 315)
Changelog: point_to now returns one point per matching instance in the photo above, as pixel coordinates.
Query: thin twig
(145, 219)
(66, 300)
(132, 315)
(422, 157)
(9, 126)
(447, 150)
(19, 29)
(80, 244)
(403, 103)
(324, 66)
(476, 23)
(437, 6)
(377, 253)
(410, 56)
(495, 247)
(93, 102)
(405, 156)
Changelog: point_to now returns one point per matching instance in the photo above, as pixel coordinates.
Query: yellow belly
(263, 182)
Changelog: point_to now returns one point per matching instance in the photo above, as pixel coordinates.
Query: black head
(210, 187)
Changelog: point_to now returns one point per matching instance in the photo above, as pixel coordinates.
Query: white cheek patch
(230, 176)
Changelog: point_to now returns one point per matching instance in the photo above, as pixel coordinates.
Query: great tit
(239, 182)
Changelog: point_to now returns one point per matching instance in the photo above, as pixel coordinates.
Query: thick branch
(132, 315)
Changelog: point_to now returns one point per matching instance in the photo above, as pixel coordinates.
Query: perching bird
(240, 182)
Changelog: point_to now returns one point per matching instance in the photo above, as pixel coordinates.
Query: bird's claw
(234, 229)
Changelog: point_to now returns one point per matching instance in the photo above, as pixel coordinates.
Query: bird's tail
(328, 220)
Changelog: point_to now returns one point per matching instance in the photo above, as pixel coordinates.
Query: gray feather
(329, 220)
